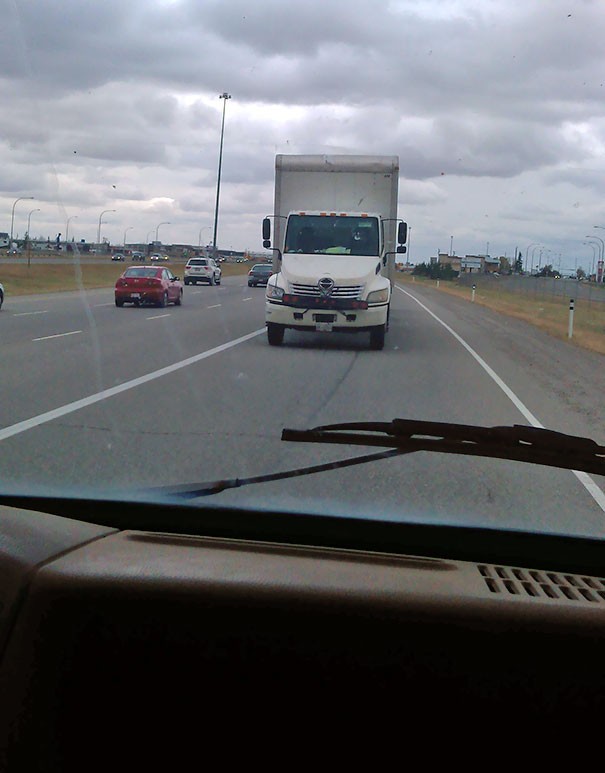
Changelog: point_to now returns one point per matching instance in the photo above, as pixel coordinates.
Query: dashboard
(252, 635)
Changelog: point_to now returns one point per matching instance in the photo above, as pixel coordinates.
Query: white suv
(202, 270)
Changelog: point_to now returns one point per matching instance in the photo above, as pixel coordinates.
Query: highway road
(95, 396)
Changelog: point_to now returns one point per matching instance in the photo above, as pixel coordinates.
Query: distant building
(469, 264)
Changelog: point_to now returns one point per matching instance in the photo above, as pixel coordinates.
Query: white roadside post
(571, 310)
(473, 293)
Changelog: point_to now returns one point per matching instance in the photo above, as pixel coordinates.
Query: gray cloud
(475, 97)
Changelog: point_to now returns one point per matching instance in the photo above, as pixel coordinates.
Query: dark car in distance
(259, 274)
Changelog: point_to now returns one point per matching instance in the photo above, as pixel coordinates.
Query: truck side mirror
(266, 232)
(402, 233)
(402, 248)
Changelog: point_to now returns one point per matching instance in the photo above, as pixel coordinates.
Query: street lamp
(451, 246)
(203, 228)
(534, 248)
(71, 217)
(99, 229)
(527, 249)
(224, 96)
(166, 222)
(601, 251)
(130, 227)
(21, 198)
(594, 254)
(29, 217)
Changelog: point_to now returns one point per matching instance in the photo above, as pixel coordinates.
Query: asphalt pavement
(95, 396)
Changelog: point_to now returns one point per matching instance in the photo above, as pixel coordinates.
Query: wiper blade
(516, 443)
(403, 436)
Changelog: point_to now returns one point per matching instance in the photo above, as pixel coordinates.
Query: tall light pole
(409, 240)
(130, 227)
(534, 248)
(527, 249)
(594, 254)
(203, 228)
(71, 217)
(451, 246)
(99, 228)
(29, 217)
(21, 198)
(166, 222)
(224, 96)
(601, 252)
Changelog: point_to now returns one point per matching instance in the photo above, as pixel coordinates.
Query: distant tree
(580, 273)
(519, 264)
(505, 266)
(548, 270)
(435, 271)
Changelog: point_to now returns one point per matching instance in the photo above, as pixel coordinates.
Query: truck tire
(275, 334)
(377, 337)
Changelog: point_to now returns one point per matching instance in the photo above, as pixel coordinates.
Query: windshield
(481, 125)
(332, 234)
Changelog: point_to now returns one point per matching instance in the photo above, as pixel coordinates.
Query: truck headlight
(379, 296)
(274, 292)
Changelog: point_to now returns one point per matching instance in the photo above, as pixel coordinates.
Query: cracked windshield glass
(225, 221)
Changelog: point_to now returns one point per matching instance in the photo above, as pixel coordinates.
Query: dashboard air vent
(543, 585)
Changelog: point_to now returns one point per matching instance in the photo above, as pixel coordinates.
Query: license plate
(324, 327)
(135, 295)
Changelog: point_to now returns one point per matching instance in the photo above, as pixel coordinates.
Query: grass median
(21, 279)
(548, 314)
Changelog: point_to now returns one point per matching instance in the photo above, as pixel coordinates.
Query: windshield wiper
(517, 443)
(403, 436)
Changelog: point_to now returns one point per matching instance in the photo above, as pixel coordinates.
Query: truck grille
(343, 291)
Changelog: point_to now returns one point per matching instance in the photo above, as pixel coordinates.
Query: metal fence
(537, 287)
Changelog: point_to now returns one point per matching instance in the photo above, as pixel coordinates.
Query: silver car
(202, 270)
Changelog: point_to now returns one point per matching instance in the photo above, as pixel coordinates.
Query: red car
(148, 284)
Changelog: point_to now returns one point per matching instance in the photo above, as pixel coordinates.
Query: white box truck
(334, 232)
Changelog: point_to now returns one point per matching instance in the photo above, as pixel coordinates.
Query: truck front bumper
(326, 319)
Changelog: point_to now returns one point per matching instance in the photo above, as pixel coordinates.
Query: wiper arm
(195, 490)
(516, 443)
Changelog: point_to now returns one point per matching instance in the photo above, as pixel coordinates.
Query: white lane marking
(98, 305)
(159, 316)
(63, 410)
(58, 335)
(246, 299)
(29, 313)
(196, 292)
(216, 306)
(595, 492)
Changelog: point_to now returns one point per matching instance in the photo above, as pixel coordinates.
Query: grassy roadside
(549, 315)
(20, 279)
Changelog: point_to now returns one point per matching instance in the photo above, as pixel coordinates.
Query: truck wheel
(377, 337)
(275, 334)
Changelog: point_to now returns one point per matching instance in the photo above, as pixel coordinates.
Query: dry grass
(20, 279)
(549, 315)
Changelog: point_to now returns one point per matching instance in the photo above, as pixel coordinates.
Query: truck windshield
(332, 234)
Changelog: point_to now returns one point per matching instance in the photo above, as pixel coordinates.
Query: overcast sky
(496, 109)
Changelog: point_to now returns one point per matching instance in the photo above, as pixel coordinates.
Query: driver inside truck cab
(306, 240)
